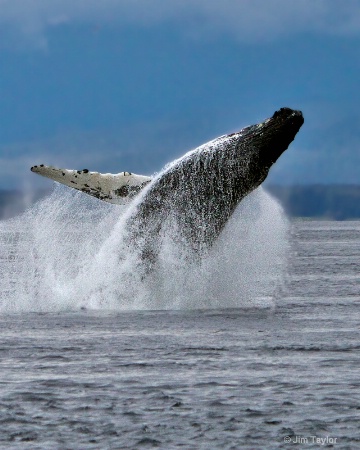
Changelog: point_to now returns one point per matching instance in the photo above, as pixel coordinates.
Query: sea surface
(281, 374)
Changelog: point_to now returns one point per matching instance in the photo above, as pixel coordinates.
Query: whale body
(196, 194)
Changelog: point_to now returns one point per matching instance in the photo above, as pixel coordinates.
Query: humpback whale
(197, 193)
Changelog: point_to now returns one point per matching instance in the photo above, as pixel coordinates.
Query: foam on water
(68, 252)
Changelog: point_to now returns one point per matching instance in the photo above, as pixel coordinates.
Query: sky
(118, 85)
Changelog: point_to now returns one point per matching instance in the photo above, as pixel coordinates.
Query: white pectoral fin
(117, 188)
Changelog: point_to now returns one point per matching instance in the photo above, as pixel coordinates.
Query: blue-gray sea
(281, 370)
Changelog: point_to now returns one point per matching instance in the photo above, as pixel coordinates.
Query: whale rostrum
(197, 193)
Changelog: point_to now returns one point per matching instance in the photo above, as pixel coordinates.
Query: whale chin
(196, 194)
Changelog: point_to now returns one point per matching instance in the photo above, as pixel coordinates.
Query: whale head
(273, 136)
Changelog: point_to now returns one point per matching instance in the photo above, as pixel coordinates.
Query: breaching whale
(197, 193)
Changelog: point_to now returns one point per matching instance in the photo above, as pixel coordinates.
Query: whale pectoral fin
(117, 188)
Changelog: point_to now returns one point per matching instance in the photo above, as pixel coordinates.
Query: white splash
(67, 252)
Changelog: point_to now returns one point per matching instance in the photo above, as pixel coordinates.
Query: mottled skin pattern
(198, 193)
(119, 188)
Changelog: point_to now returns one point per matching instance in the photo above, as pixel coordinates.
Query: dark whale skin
(198, 193)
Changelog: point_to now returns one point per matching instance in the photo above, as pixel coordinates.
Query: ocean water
(258, 347)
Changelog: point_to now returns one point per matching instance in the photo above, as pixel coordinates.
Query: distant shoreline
(320, 202)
